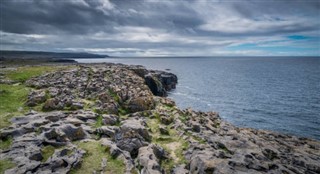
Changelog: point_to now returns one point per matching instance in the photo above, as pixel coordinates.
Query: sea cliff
(114, 118)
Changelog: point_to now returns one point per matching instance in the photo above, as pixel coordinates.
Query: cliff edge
(114, 118)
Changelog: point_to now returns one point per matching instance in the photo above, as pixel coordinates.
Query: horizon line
(167, 56)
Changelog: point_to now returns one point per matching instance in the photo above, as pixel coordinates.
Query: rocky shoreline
(123, 110)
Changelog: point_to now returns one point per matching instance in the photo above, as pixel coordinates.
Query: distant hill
(48, 55)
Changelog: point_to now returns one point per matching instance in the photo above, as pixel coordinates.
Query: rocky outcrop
(113, 86)
(159, 82)
(115, 106)
(229, 149)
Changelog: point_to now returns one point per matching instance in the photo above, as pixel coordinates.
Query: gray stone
(180, 169)
(196, 127)
(86, 115)
(76, 106)
(109, 119)
(107, 130)
(148, 160)
(132, 135)
(62, 134)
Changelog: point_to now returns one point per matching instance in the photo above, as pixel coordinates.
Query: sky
(163, 27)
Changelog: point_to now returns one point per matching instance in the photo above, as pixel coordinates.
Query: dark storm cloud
(34, 17)
(78, 17)
(137, 26)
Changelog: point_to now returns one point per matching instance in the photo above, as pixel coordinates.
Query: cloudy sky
(163, 27)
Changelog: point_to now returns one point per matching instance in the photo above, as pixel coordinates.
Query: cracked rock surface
(123, 109)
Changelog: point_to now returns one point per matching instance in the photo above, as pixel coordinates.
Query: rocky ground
(122, 111)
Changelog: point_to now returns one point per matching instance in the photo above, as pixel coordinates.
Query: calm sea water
(279, 94)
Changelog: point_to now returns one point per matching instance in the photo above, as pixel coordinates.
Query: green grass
(172, 144)
(47, 152)
(6, 164)
(93, 157)
(167, 164)
(123, 111)
(98, 122)
(183, 118)
(114, 95)
(24, 73)
(153, 124)
(88, 104)
(5, 143)
(175, 152)
(12, 99)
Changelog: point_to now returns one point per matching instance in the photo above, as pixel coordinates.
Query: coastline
(116, 106)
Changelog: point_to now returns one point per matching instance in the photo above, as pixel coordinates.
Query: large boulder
(62, 134)
(132, 135)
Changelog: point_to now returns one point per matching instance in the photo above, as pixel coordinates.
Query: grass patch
(93, 157)
(47, 152)
(172, 144)
(153, 125)
(97, 110)
(167, 164)
(200, 140)
(6, 164)
(5, 143)
(12, 99)
(98, 122)
(175, 148)
(114, 95)
(123, 111)
(184, 146)
(24, 73)
(168, 107)
(183, 118)
(87, 104)
(38, 107)
(47, 94)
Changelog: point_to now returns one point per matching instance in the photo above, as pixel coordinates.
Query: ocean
(281, 94)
